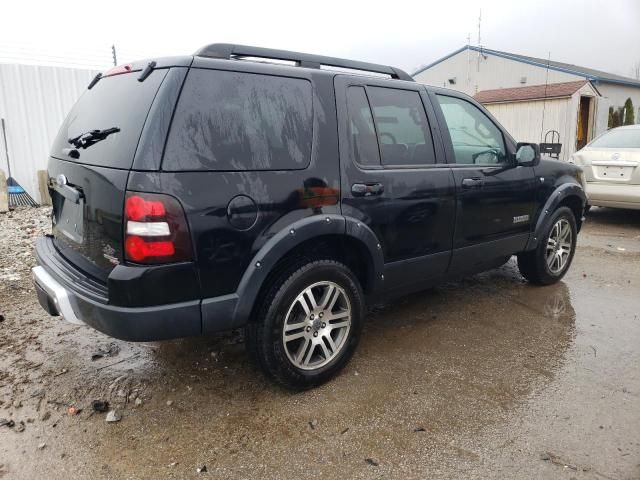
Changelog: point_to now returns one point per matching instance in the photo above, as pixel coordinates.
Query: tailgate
(89, 178)
(87, 214)
(610, 166)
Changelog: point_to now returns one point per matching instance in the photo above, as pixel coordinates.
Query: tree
(629, 116)
(610, 121)
(615, 119)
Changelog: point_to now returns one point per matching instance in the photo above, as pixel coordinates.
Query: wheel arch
(569, 195)
(320, 236)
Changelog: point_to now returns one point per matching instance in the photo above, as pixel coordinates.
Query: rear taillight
(155, 229)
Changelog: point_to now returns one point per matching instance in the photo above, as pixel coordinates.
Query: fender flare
(559, 194)
(292, 236)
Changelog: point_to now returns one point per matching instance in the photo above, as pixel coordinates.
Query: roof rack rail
(229, 51)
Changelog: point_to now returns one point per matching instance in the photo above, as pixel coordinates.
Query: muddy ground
(484, 378)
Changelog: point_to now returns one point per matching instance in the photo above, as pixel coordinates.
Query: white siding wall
(34, 101)
(497, 72)
(528, 121)
(493, 72)
(524, 121)
(618, 94)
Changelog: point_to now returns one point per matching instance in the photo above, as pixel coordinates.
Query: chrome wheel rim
(559, 246)
(317, 325)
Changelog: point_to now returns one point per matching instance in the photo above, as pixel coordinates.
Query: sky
(599, 34)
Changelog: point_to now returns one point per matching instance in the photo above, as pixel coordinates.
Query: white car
(611, 164)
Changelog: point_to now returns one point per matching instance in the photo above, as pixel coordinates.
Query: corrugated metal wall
(34, 101)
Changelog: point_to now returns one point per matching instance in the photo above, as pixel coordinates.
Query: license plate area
(613, 173)
(69, 218)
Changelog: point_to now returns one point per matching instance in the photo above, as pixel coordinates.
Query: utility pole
(113, 53)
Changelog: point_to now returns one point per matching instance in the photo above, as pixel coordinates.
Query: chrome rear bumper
(56, 293)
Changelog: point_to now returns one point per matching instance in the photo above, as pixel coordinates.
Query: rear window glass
(240, 121)
(618, 138)
(120, 101)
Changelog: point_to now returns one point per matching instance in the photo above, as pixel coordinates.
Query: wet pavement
(488, 377)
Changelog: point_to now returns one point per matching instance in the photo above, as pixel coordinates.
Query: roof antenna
(479, 39)
(480, 55)
(468, 60)
(479, 27)
(544, 99)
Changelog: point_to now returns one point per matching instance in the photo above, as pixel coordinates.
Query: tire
(283, 306)
(535, 266)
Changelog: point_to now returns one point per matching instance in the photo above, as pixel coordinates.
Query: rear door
(88, 184)
(393, 176)
(494, 196)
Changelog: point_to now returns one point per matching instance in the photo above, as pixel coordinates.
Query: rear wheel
(551, 259)
(308, 323)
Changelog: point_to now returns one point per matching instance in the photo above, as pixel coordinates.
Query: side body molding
(232, 311)
(564, 191)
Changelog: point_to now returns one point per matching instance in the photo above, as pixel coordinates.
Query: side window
(475, 138)
(403, 129)
(240, 121)
(363, 146)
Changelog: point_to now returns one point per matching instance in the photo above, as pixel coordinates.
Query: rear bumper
(613, 195)
(78, 304)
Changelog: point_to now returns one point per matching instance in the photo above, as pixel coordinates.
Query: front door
(582, 131)
(394, 178)
(494, 196)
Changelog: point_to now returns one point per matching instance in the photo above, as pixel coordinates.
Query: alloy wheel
(317, 325)
(559, 246)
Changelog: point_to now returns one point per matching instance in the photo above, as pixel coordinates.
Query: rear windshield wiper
(85, 140)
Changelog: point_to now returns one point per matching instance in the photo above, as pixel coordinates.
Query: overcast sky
(598, 34)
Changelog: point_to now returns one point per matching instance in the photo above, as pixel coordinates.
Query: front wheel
(308, 323)
(551, 259)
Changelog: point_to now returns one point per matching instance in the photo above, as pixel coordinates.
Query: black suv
(284, 192)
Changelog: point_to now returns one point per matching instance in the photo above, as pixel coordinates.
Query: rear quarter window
(230, 121)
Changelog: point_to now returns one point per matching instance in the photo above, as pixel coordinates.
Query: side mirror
(528, 154)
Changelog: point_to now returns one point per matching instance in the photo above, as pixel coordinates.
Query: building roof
(588, 73)
(531, 92)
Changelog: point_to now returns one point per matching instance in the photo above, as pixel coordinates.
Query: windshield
(116, 108)
(618, 138)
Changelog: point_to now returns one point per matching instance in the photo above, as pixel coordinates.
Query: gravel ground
(484, 378)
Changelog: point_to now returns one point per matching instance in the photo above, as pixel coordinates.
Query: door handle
(367, 189)
(472, 182)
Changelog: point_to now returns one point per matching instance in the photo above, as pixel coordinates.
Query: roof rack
(229, 51)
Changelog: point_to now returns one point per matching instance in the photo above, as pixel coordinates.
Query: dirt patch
(484, 378)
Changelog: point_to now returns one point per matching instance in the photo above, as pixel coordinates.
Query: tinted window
(403, 130)
(363, 146)
(119, 101)
(618, 138)
(475, 138)
(240, 121)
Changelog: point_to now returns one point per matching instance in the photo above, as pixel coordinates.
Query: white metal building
(473, 69)
(34, 101)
